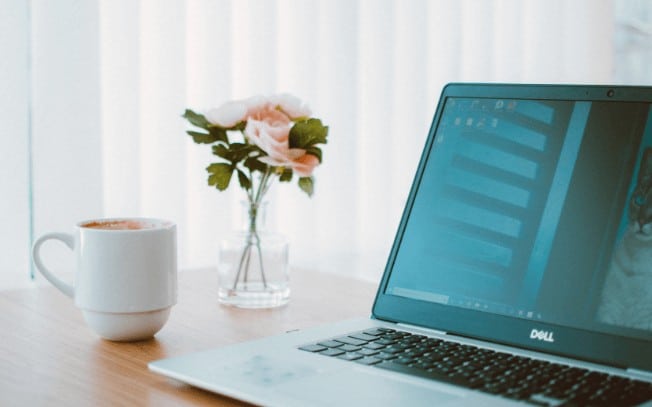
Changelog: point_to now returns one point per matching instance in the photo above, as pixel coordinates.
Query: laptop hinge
(420, 328)
(640, 373)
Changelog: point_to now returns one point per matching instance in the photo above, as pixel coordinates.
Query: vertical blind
(100, 88)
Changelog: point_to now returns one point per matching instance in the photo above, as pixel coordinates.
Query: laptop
(520, 274)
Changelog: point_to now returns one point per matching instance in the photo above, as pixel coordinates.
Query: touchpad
(350, 386)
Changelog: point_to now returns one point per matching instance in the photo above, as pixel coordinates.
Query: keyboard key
(349, 348)
(545, 400)
(350, 341)
(373, 332)
(393, 349)
(330, 344)
(386, 356)
(331, 352)
(313, 348)
(369, 361)
(374, 345)
(364, 337)
(350, 356)
(367, 352)
(404, 360)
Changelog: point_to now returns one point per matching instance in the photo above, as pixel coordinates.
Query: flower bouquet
(258, 140)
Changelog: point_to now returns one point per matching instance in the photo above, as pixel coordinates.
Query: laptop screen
(535, 209)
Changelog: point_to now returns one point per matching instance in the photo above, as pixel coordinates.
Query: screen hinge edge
(421, 328)
(645, 374)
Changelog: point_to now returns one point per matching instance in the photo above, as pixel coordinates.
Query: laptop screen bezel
(614, 350)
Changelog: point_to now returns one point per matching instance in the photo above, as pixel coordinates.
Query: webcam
(611, 93)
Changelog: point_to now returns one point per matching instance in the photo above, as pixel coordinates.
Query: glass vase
(253, 267)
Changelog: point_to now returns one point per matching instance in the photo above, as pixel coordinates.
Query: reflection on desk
(49, 357)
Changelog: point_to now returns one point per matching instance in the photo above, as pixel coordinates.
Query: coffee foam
(125, 224)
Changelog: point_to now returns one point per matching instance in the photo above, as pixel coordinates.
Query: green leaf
(234, 153)
(240, 126)
(307, 185)
(286, 175)
(220, 175)
(244, 181)
(316, 151)
(202, 138)
(221, 150)
(218, 133)
(254, 165)
(196, 119)
(239, 151)
(308, 133)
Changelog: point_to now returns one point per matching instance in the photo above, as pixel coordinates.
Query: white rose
(227, 115)
(291, 105)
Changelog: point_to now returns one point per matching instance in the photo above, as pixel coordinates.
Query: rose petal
(227, 115)
(305, 165)
(273, 141)
(255, 104)
(291, 105)
(295, 153)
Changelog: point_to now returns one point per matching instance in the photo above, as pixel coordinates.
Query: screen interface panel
(535, 209)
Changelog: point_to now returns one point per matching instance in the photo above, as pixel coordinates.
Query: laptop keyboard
(515, 377)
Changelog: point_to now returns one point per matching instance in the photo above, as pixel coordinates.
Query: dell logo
(542, 335)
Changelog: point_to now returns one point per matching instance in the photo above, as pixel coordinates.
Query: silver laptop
(521, 272)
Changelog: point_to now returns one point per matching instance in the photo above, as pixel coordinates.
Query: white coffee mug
(125, 277)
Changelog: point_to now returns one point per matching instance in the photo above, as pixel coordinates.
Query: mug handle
(68, 240)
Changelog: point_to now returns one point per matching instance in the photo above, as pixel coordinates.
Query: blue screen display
(535, 209)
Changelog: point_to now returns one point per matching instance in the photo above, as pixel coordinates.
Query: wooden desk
(49, 357)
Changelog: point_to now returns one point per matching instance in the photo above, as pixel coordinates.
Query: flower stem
(254, 196)
(247, 261)
(242, 258)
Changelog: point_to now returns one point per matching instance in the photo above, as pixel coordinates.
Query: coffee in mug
(125, 277)
(128, 224)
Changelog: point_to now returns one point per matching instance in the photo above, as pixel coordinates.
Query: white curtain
(109, 80)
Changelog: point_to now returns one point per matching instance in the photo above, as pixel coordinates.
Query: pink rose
(272, 139)
(269, 129)
(269, 120)
(268, 114)
(296, 159)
